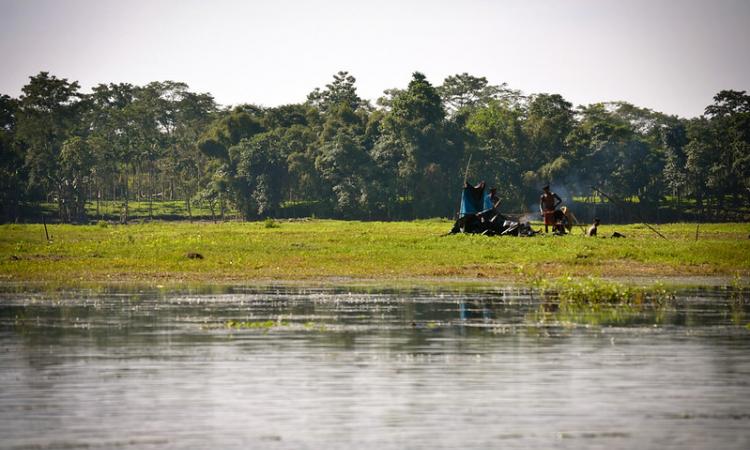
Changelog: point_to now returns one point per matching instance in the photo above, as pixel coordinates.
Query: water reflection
(311, 368)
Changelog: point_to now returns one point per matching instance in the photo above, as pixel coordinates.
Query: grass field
(111, 210)
(326, 250)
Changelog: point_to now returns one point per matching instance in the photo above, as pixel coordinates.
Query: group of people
(559, 219)
(480, 213)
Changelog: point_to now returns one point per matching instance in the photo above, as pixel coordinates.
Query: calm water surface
(298, 368)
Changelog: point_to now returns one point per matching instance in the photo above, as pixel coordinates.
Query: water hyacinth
(589, 291)
(265, 324)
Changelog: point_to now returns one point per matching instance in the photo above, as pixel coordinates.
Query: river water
(299, 368)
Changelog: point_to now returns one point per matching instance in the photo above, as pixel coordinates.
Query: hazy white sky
(668, 55)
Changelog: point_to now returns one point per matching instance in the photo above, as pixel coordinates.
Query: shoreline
(385, 284)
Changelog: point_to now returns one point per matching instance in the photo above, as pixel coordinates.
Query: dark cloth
(548, 201)
(472, 199)
(549, 217)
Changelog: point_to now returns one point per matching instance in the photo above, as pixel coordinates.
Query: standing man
(548, 203)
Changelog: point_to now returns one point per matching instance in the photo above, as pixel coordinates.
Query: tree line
(338, 155)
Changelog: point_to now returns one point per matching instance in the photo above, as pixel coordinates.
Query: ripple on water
(313, 368)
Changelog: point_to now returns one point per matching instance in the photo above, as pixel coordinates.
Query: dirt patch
(36, 257)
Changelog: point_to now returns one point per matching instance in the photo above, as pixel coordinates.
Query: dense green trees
(425, 156)
(13, 173)
(47, 116)
(337, 155)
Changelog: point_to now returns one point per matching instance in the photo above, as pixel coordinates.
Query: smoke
(563, 192)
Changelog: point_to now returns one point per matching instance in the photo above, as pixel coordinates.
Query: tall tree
(344, 165)
(76, 161)
(498, 149)
(341, 90)
(548, 122)
(427, 160)
(260, 162)
(674, 139)
(13, 176)
(48, 115)
(226, 132)
(184, 163)
(464, 91)
(111, 124)
(730, 121)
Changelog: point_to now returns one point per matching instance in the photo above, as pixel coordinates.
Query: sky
(672, 56)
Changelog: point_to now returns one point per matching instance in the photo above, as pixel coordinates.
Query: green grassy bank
(323, 250)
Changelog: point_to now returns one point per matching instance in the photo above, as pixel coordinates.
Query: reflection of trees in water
(399, 321)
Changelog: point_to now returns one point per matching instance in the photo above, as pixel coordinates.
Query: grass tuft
(270, 223)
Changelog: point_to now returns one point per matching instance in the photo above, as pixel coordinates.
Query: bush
(270, 223)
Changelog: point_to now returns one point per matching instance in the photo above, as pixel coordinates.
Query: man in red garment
(548, 203)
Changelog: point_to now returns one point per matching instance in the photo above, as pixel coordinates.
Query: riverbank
(322, 251)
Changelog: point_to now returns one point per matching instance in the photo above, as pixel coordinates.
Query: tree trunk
(81, 197)
(136, 183)
(125, 211)
(61, 207)
(150, 192)
(187, 204)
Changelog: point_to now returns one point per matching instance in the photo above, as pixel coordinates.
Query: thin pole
(466, 178)
(466, 173)
(639, 213)
(46, 234)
